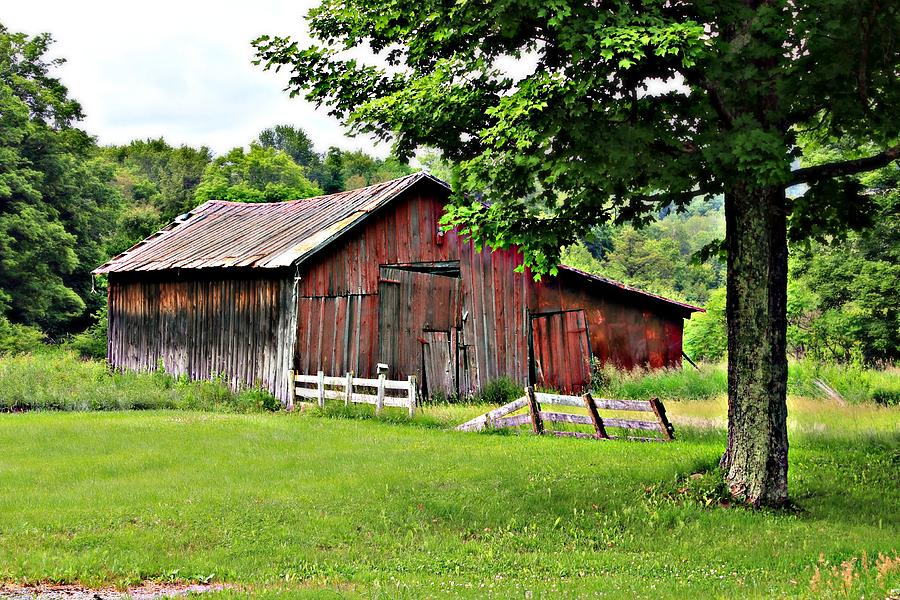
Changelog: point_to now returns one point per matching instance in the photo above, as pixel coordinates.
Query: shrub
(91, 343)
(706, 334)
(886, 397)
(854, 382)
(498, 391)
(18, 339)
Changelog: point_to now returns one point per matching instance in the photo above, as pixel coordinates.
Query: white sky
(177, 69)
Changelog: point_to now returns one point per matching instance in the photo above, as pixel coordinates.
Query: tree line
(67, 204)
(842, 303)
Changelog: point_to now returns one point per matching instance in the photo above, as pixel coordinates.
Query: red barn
(343, 282)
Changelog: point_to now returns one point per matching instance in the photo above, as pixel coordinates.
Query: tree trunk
(755, 462)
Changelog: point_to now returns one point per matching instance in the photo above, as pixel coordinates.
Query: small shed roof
(221, 234)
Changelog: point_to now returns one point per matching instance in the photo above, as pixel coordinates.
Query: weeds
(58, 380)
(856, 577)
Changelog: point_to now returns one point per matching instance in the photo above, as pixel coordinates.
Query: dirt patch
(145, 591)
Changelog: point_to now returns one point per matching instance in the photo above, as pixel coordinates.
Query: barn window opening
(447, 268)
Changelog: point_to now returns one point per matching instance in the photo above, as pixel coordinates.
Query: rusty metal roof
(618, 284)
(268, 235)
(221, 234)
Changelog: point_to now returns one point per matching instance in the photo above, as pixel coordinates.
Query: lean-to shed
(343, 282)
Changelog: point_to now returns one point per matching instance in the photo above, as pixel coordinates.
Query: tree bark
(755, 462)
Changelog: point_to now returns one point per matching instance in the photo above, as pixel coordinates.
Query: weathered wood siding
(625, 329)
(338, 300)
(242, 328)
(346, 323)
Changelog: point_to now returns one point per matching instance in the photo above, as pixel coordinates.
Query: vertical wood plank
(293, 388)
(412, 394)
(595, 416)
(379, 398)
(321, 389)
(348, 388)
(537, 423)
(660, 411)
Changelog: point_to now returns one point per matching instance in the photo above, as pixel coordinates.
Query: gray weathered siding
(242, 327)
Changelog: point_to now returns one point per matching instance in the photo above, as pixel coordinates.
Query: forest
(68, 203)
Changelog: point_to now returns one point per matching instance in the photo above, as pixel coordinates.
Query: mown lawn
(296, 504)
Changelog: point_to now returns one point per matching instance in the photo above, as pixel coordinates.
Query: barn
(343, 282)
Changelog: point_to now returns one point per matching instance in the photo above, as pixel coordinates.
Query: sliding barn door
(561, 351)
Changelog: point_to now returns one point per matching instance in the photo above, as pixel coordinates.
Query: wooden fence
(381, 391)
(502, 417)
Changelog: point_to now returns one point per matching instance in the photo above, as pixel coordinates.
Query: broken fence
(535, 401)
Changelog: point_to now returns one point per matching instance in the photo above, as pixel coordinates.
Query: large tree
(568, 113)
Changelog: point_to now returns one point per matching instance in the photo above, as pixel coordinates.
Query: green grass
(855, 383)
(55, 379)
(285, 505)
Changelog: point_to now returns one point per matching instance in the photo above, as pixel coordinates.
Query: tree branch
(846, 167)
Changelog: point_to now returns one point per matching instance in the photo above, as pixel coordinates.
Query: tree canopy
(618, 109)
(258, 175)
(55, 202)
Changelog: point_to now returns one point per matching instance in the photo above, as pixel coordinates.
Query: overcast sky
(177, 69)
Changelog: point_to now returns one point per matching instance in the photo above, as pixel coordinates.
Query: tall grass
(853, 382)
(666, 384)
(55, 379)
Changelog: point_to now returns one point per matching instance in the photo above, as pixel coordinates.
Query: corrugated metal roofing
(269, 235)
(628, 288)
(221, 234)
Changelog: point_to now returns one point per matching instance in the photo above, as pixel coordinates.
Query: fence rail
(537, 416)
(384, 392)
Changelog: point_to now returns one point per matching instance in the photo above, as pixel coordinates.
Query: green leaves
(565, 114)
(260, 175)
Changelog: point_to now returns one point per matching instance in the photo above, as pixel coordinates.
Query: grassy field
(286, 505)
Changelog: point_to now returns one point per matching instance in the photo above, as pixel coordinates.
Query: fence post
(379, 398)
(348, 393)
(537, 423)
(292, 388)
(595, 416)
(412, 394)
(321, 389)
(667, 430)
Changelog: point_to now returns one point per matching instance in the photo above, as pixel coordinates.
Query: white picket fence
(381, 391)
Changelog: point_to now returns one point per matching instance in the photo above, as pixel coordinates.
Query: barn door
(389, 326)
(561, 351)
(439, 363)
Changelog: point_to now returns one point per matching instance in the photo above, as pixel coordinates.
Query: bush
(91, 343)
(18, 339)
(57, 379)
(854, 382)
(886, 397)
(706, 334)
(499, 391)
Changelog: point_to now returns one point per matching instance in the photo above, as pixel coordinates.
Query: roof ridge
(264, 234)
(420, 174)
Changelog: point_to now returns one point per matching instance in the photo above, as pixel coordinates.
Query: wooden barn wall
(341, 286)
(240, 328)
(624, 328)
